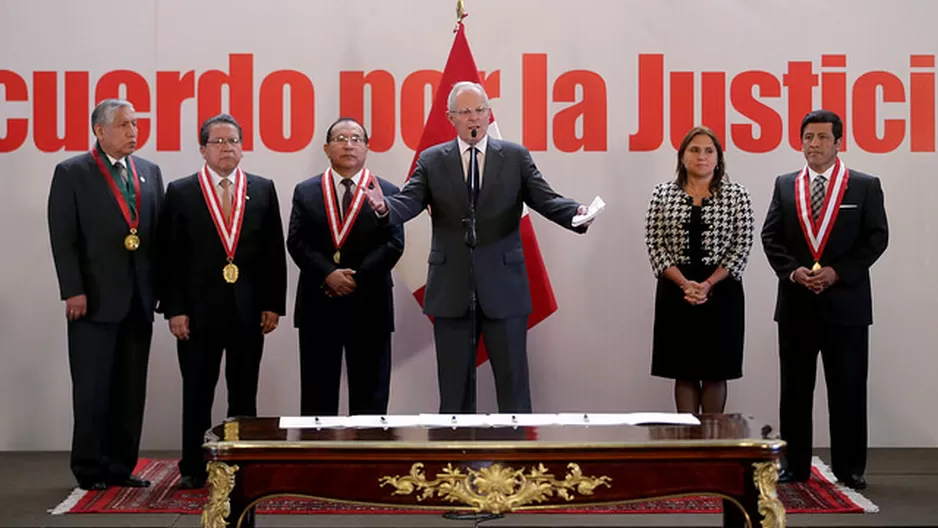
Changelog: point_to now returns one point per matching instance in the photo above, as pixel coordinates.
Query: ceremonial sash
(817, 232)
(229, 229)
(340, 228)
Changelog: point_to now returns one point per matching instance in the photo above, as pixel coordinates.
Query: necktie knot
(472, 179)
(817, 195)
(347, 197)
(122, 170)
(225, 184)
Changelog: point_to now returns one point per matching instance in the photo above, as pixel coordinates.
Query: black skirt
(698, 342)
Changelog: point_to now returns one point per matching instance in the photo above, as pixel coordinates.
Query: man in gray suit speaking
(475, 187)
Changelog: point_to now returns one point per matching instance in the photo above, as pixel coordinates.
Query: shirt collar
(827, 174)
(481, 145)
(113, 160)
(337, 178)
(216, 178)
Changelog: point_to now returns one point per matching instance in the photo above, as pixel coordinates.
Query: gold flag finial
(460, 11)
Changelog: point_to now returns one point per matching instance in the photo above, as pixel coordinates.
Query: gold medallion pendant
(337, 257)
(816, 266)
(132, 241)
(230, 272)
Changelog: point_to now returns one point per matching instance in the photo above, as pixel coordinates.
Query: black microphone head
(474, 133)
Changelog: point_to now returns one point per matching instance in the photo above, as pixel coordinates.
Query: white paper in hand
(595, 207)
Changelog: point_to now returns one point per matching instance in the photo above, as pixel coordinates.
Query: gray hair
(462, 86)
(103, 114)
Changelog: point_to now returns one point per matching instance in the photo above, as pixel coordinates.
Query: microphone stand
(471, 240)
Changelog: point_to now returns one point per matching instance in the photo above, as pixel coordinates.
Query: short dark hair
(345, 120)
(220, 119)
(824, 116)
(718, 172)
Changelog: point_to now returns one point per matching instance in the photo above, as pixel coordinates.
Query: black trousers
(506, 343)
(367, 362)
(200, 363)
(845, 354)
(108, 364)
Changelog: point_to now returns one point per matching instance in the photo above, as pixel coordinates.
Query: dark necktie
(473, 176)
(128, 188)
(817, 195)
(122, 170)
(347, 197)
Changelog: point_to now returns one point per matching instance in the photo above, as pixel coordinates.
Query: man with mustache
(103, 209)
(825, 228)
(225, 282)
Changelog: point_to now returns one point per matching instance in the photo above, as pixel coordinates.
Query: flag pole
(460, 13)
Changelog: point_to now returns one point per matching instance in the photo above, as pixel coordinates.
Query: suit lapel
(492, 170)
(144, 213)
(102, 185)
(454, 171)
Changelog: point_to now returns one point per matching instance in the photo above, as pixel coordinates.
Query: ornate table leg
(759, 507)
(771, 509)
(221, 478)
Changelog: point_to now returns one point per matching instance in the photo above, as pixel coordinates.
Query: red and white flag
(460, 66)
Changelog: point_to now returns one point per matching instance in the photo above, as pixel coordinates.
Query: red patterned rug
(819, 495)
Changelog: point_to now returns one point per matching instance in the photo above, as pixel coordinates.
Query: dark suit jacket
(509, 180)
(371, 249)
(194, 256)
(87, 231)
(858, 238)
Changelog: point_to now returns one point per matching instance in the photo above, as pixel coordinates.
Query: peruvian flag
(460, 66)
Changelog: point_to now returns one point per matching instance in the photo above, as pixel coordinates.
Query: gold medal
(132, 241)
(337, 257)
(816, 266)
(230, 272)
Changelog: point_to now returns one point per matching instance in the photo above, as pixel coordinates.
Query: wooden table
(496, 470)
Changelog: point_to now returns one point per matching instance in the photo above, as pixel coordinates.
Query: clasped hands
(340, 283)
(817, 280)
(696, 292)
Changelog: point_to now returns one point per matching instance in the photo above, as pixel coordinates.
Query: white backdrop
(594, 353)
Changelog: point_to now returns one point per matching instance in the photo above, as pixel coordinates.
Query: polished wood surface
(718, 457)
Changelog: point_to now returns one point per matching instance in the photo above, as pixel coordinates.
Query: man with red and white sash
(344, 299)
(224, 282)
(824, 229)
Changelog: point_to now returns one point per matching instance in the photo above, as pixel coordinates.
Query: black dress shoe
(786, 475)
(856, 482)
(130, 481)
(98, 485)
(190, 482)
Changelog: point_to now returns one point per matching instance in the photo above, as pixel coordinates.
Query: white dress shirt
(217, 178)
(340, 189)
(464, 154)
(122, 161)
(813, 176)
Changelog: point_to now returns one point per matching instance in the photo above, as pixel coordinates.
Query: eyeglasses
(341, 138)
(466, 112)
(221, 141)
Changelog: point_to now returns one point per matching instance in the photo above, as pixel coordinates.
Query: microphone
(470, 223)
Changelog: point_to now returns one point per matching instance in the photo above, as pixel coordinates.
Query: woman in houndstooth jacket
(698, 231)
